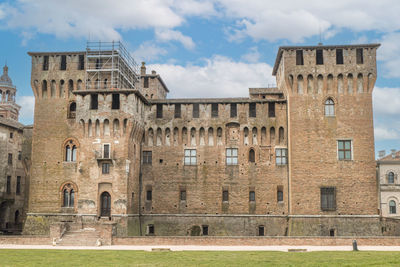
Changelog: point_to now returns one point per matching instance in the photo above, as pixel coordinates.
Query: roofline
(20, 127)
(281, 48)
(55, 53)
(212, 100)
(159, 78)
(117, 91)
(388, 162)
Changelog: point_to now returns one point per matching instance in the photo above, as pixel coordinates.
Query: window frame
(329, 107)
(214, 110)
(344, 150)
(390, 177)
(146, 155)
(105, 168)
(359, 56)
(149, 195)
(252, 196)
(231, 157)
(115, 102)
(182, 195)
(196, 110)
(225, 195)
(159, 111)
(330, 204)
(252, 110)
(319, 57)
(18, 186)
(188, 158)
(178, 111)
(339, 56)
(233, 110)
(281, 159)
(299, 57)
(391, 211)
(103, 150)
(271, 110)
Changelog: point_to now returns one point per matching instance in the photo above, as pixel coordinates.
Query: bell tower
(8, 108)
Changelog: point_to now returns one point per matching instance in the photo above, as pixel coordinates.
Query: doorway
(105, 199)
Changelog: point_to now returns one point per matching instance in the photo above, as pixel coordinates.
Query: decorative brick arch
(69, 185)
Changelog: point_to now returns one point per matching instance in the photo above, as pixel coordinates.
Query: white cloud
(386, 101)
(389, 53)
(252, 55)
(166, 35)
(148, 51)
(218, 77)
(27, 104)
(382, 133)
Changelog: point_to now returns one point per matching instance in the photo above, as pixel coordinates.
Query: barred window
(344, 149)
(231, 156)
(281, 156)
(105, 168)
(252, 110)
(147, 157)
(190, 157)
(328, 198)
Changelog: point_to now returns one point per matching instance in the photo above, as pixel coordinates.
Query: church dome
(4, 78)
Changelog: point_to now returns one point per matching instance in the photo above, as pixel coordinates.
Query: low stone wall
(25, 240)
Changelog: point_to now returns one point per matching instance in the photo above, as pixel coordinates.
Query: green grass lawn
(9, 257)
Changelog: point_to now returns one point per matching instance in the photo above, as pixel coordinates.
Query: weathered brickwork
(109, 150)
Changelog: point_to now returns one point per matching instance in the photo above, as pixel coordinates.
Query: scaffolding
(110, 66)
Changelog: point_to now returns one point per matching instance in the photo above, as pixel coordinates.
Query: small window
(18, 189)
(332, 232)
(177, 111)
(115, 101)
(106, 151)
(252, 155)
(299, 57)
(105, 168)
(150, 229)
(159, 111)
(392, 207)
(319, 57)
(359, 56)
(204, 229)
(70, 151)
(261, 230)
(339, 56)
(231, 156)
(252, 196)
(271, 109)
(196, 112)
(391, 178)
(147, 157)
(329, 108)
(281, 156)
(68, 195)
(81, 64)
(190, 157)
(214, 110)
(8, 184)
(11, 135)
(182, 195)
(94, 101)
(233, 110)
(46, 63)
(19, 155)
(10, 158)
(344, 149)
(280, 195)
(146, 82)
(328, 198)
(63, 65)
(149, 195)
(72, 111)
(252, 110)
(225, 196)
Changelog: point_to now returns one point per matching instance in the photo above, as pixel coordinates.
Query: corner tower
(330, 130)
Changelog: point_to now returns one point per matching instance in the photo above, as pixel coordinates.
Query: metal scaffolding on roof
(110, 66)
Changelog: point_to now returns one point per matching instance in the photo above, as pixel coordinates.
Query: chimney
(143, 69)
(381, 153)
(393, 153)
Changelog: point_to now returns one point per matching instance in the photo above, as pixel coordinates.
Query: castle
(110, 149)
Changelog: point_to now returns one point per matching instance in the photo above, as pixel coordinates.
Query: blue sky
(207, 48)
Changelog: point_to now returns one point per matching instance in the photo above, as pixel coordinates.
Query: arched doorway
(105, 199)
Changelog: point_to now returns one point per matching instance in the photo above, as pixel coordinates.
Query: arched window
(70, 148)
(390, 178)
(392, 207)
(329, 108)
(252, 155)
(72, 110)
(68, 196)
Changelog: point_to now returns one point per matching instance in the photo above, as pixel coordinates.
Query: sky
(207, 48)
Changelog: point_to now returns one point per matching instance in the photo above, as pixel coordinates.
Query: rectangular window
(319, 57)
(8, 184)
(115, 101)
(271, 109)
(11, 135)
(46, 63)
(252, 196)
(233, 110)
(299, 57)
(146, 82)
(19, 155)
(63, 65)
(94, 101)
(225, 196)
(252, 110)
(204, 229)
(190, 157)
(280, 195)
(149, 195)
(81, 64)
(106, 151)
(214, 110)
(231, 156)
(10, 158)
(147, 157)
(18, 189)
(105, 168)
(344, 149)
(177, 111)
(261, 230)
(196, 110)
(182, 195)
(281, 156)
(150, 229)
(360, 56)
(339, 56)
(328, 198)
(159, 110)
